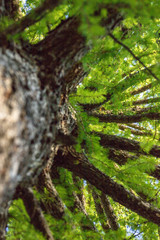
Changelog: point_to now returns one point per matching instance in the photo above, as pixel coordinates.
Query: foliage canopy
(117, 112)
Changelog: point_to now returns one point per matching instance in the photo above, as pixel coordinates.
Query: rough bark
(50, 200)
(58, 55)
(19, 121)
(33, 112)
(84, 169)
(37, 103)
(34, 87)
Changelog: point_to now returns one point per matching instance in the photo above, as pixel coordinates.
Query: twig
(137, 58)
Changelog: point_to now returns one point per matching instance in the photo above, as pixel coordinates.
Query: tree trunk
(37, 125)
(34, 86)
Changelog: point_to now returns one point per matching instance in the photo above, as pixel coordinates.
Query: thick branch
(138, 110)
(51, 203)
(86, 170)
(90, 107)
(77, 203)
(121, 157)
(59, 54)
(126, 144)
(122, 118)
(35, 212)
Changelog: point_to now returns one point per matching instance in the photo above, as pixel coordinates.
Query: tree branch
(35, 212)
(85, 223)
(135, 57)
(62, 46)
(80, 187)
(146, 101)
(117, 192)
(126, 144)
(31, 18)
(122, 86)
(51, 202)
(135, 132)
(121, 157)
(99, 209)
(122, 118)
(136, 126)
(109, 212)
(142, 89)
